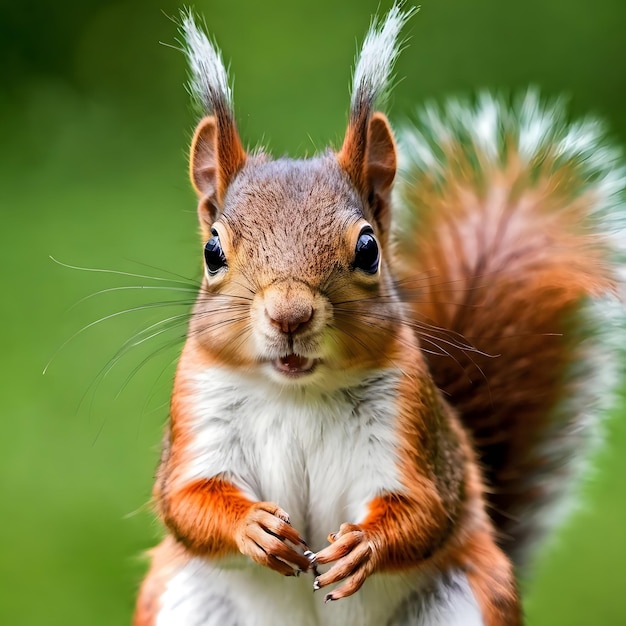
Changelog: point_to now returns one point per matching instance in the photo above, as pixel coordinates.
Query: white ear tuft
(208, 83)
(217, 154)
(380, 50)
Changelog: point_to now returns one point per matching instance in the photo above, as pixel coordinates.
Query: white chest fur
(319, 456)
(204, 594)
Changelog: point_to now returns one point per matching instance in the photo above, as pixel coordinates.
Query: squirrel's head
(296, 283)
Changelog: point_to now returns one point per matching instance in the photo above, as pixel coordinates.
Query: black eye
(366, 254)
(213, 254)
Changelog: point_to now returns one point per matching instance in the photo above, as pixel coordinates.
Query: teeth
(294, 364)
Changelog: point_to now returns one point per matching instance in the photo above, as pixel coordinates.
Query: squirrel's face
(296, 283)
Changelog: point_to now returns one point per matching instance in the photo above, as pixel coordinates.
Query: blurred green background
(94, 127)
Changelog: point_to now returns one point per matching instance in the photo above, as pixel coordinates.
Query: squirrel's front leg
(397, 533)
(212, 517)
(354, 558)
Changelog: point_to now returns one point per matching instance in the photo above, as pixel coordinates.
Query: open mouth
(294, 365)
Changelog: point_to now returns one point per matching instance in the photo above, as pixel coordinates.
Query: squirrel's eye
(213, 254)
(366, 254)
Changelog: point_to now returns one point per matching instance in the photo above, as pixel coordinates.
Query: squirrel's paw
(265, 535)
(352, 554)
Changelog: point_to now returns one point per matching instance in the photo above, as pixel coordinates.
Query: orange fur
(165, 559)
(368, 156)
(205, 515)
(506, 266)
(215, 158)
(490, 575)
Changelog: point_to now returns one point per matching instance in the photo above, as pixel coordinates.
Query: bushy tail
(509, 225)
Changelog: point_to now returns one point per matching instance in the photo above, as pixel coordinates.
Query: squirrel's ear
(368, 155)
(216, 156)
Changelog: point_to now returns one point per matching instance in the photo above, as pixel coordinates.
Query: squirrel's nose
(290, 319)
(289, 305)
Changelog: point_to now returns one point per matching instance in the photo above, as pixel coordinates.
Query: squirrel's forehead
(286, 199)
(288, 221)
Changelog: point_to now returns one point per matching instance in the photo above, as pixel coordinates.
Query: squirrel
(398, 351)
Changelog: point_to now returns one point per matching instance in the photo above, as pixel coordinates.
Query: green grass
(94, 174)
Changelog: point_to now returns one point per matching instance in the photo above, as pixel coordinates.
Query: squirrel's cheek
(331, 348)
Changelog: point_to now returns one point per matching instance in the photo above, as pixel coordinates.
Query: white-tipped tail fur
(481, 135)
(487, 131)
(514, 220)
(381, 47)
(208, 83)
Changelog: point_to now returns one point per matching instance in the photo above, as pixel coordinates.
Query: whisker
(141, 337)
(364, 345)
(243, 286)
(115, 359)
(222, 323)
(255, 286)
(401, 283)
(131, 287)
(152, 391)
(137, 339)
(394, 300)
(450, 337)
(142, 307)
(427, 338)
(147, 359)
(193, 281)
(203, 293)
(241, 338)
(119, 273)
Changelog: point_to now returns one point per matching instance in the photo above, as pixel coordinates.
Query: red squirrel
(396, 353)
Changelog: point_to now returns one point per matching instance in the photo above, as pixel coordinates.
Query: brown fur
(507, 270)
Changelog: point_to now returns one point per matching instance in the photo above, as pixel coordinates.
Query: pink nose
(289, 305)
(289, 320)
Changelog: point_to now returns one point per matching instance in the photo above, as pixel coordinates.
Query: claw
(316, 585)
(328, 598)
(312, 560)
